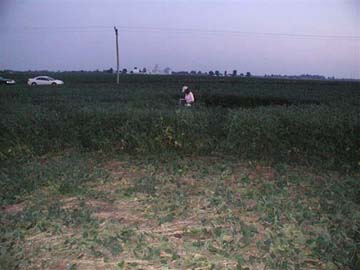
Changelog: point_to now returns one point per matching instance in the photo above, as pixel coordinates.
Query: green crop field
(259, 174)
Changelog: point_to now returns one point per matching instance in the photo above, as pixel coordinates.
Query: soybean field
(260, 174)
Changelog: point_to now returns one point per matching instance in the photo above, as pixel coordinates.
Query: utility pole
(117, 54)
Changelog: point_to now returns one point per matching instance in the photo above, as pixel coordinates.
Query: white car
(44, 80)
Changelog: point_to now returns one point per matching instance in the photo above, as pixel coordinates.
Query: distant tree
(217, 73)
(234, 73)
(193, 72)
(131, 72)
(144, 70)
(199, 72)
(180, 73)
(124, 71)
(225, 73)
(241, 74)
(110, 70)
(155, 69)
(167, 70)
(248, 74)
(211, 73)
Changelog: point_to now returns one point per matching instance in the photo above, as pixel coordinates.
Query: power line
(105, 28)
(236, 32)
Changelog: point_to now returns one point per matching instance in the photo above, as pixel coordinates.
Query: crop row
(307, 134)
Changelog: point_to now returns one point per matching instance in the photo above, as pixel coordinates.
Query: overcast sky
(260, 36)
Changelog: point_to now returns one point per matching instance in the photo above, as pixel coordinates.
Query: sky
(260, 36)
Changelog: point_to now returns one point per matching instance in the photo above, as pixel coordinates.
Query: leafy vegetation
(260, 174)
(211, 213)
(306, 122)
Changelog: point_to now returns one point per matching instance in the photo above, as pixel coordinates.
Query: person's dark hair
(187, 91)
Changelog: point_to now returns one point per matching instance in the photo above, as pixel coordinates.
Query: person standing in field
(189, 98)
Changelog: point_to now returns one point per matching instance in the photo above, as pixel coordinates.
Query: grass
(261, 174)
(188, 213)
